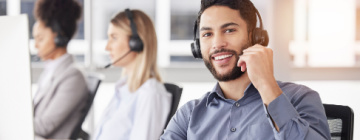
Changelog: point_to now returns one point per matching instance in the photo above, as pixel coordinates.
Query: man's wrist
(269, 92)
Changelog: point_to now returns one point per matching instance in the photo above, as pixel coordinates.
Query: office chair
(176, 92)
(93, 82)
(341, 121)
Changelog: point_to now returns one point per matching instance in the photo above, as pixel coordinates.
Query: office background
(315, 43)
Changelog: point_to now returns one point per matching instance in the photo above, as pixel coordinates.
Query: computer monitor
(16, 109)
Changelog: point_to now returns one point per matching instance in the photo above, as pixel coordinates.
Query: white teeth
(222, 57)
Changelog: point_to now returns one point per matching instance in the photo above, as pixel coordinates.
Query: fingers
(251, 53)
(257, 48)
(242, 63)
(243, 67)
(254, 47)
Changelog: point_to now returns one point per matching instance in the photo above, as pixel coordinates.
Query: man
(247, 102)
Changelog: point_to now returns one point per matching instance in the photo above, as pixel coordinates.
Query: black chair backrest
(341, 121)
(93, 82)
(176, 92)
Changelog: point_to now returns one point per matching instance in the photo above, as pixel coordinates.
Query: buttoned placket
(235, 107)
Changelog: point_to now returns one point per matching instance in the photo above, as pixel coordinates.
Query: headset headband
(260, 20)
(132, 23)
(195, 29)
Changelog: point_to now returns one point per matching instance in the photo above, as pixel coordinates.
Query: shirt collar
(217, 92)
(119, 84)
(53, 64)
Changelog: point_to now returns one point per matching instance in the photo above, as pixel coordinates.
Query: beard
(234, 73)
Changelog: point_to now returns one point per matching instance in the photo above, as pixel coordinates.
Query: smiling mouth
(221, 57)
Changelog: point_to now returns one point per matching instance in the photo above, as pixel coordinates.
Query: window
(183, 15)
(357, 49)
(326, 35)
(27, 7)
(2, 7)
(357, 20)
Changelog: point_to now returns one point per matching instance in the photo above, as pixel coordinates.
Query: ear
(250, 36)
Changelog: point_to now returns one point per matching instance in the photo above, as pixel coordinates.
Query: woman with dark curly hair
(62, 91)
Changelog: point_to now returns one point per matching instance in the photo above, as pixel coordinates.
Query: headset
(259, 36)
(60, 40)
(135, 42)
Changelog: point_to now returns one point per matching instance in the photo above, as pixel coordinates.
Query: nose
(107, 47)
(218, 42)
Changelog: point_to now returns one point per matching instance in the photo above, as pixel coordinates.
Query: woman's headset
(135, 41)
(60, 40)
(259, 36)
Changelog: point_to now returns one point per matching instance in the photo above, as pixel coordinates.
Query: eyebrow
(229, 24)
(222, 26)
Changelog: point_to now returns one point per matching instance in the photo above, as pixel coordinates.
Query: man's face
(223, 37)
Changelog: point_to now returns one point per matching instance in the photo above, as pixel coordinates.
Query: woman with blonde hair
(141, 104)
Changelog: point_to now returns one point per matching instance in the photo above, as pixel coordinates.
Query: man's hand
(258, 62)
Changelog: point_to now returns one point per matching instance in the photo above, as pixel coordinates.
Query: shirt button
(237, 104)
(233, 129)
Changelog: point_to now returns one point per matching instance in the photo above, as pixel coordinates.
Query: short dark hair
(61, 14)
(246, 9)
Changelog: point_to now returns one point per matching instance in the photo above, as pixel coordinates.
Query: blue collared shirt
(298, 112)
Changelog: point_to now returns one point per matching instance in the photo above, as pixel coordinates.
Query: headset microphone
(117, 60)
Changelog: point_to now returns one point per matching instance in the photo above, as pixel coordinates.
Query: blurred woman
(141, 104)
(62, 90)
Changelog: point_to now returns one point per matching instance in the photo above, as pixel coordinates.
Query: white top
(135, 116)
(46, 75)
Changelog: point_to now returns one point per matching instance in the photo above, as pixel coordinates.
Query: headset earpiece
(195, 45)
(60, 40)
(135, 42)
(195, 49)
(260, 36)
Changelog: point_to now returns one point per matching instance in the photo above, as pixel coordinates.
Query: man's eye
(229, 30)
(207, 34)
